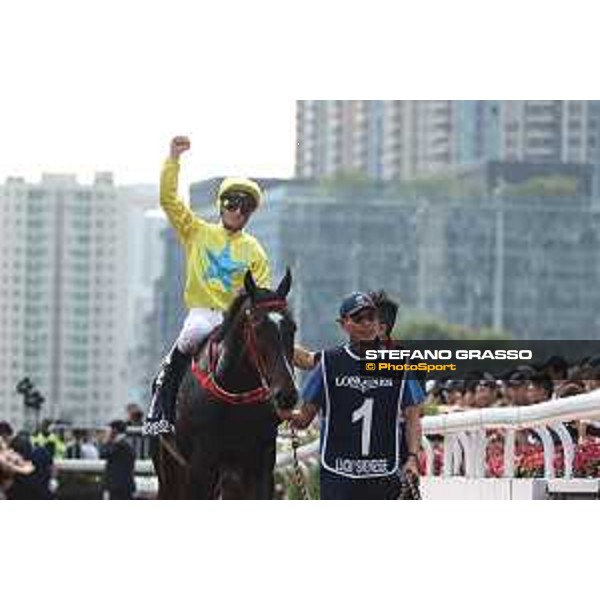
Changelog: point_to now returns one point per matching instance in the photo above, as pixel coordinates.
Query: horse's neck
(235, 371)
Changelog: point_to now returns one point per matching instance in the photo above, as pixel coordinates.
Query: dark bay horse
(226, 426)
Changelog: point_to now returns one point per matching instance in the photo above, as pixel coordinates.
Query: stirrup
(154, 428)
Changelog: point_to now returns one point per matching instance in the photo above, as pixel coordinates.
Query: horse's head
(270, 332)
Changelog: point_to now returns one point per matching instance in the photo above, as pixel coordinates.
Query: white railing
(307, 455)
(465, 434)
(82, 465)
(464, 438)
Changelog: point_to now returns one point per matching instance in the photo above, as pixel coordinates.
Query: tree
(543, 187)
(346, 180)
(445, 186)
(429, 328)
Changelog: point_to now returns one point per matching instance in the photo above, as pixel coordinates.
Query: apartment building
(403, 139)
(63, 296)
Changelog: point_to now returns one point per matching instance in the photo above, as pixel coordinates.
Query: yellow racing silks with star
(216, 259)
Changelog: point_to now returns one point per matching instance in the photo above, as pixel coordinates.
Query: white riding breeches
(196, 327)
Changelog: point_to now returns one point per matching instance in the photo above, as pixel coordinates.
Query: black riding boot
(161, 415)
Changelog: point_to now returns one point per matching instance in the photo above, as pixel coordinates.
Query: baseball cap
(455, 384)
(523, 373)
(354, 303)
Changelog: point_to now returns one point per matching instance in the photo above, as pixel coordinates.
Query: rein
(410, 488)
(172, 450)
(207, 378)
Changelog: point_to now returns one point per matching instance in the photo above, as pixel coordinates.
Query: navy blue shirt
(313, 391)
(361, 417)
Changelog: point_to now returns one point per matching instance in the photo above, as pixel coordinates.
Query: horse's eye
(290, 329)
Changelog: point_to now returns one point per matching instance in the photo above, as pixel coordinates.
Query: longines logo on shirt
(363, 385)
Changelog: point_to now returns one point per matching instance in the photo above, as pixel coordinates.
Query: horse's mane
(235, 307)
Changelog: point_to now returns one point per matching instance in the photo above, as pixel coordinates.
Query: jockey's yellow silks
(216, 259)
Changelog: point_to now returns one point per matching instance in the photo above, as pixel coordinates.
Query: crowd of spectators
(27, 461)
(521, 386)
(524, 386)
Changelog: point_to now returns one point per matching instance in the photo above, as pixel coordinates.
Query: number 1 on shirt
(365, 412)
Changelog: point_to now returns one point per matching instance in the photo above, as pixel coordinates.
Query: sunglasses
(487, 384)
(244, 202)
(517, 383)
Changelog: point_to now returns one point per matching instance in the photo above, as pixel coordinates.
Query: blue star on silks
(222, 267)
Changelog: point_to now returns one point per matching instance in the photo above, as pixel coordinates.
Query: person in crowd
(34, 485)
(540, 388)
(590, 372)
(6, 432)
(587, 375)
(471, 381)
(135, 415)
(516, 386)
(46, 438)
(119, 480)
(568, 388)
(486, 391)
(135, 422)
(387, 311)
(82, 447)
(451, 393)
(557, 368)
(11, 463)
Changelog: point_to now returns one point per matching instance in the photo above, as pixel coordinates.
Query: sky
(101, 86)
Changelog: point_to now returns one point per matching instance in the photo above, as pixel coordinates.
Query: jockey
(217, 258)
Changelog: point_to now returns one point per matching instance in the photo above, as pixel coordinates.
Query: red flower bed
(587, 460)
(529, 460)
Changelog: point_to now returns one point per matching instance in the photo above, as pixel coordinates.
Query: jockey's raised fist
(179, 145)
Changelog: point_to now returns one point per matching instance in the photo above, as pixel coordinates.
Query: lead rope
(410, 487)
(299, 479)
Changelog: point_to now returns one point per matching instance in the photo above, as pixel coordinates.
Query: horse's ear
(249, 284)
(283, 289)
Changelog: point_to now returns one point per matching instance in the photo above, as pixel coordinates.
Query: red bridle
(207, 378)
